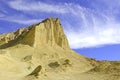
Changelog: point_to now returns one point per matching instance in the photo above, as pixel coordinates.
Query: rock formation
(48, 32)
(36, 71)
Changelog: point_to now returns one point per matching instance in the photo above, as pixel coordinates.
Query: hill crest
(48, 32)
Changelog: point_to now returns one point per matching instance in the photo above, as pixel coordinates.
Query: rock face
(36, 71)
(48, 32)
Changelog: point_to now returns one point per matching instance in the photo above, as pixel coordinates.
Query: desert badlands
(42, 52)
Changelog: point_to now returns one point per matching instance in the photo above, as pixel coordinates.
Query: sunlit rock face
(48, 32)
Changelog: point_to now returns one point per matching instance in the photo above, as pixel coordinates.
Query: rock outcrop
(48, 32)
(36, 71)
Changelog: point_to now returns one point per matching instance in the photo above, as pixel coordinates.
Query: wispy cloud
(38, 6)
(21, 19)
(31, 8)
(26, 22)
(18, 20)
(1, 15)
(98, 37)
(93, 28)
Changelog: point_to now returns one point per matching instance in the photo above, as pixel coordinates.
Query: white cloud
(32, 21)
(103, 37)
(38, 6)
(93, 29)
(21, 19)
(95, 36)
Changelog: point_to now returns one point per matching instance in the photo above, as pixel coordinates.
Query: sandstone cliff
(48, 32)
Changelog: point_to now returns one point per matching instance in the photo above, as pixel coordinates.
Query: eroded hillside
(42, 52)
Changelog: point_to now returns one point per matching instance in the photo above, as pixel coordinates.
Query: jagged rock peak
(48, 32)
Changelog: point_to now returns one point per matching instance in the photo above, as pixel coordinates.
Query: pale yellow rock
(48, 32)
(45, 44)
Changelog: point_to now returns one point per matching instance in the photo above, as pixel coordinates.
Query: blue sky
(92, 26)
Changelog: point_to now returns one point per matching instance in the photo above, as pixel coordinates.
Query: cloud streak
(94, 28)
(96, 39)
(1, 15)
(37, 7)
(22, 21)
